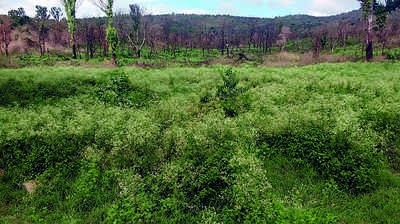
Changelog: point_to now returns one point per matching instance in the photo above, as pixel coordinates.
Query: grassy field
(313, 144)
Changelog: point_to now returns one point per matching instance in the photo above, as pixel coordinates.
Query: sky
(248, 8)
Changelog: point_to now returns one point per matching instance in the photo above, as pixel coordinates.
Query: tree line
(133, 31)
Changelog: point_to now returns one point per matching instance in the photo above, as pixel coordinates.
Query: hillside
(298, 23)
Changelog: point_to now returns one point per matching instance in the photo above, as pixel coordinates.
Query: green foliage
(393, 55)
(138, 145)
(232, 98)
(112, 39)
(28, 92)
(19, 17)
(387, 125)
(334, 156)
(209, 173)
(35, 155)
(94, 187)
(70, 12)
(118, 90)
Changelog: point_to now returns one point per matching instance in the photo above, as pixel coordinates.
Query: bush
(231, 98)
(209, 182)
(386, 124)
(34, 60)
(34, 155)
(196, 179)
(118, 90)
(27, 92)
(93, 188)
(393, 55)
(333, 155)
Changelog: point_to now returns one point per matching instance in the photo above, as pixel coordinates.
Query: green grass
(314, 144)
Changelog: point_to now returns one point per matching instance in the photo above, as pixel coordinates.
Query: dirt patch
(143, 65)
(282, 59)
(2, 172)
(30, 186)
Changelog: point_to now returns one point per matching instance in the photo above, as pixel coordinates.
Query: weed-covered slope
(317, 144)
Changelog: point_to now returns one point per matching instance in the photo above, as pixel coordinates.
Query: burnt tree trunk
(74, 51)
(369, 50)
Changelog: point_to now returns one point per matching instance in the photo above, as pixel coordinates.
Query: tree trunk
(383, 48)
(151, 52)
(344, 44)
(91, 52)
(40, 46)
(114, 58)
(74, 51)
(87, 51)
(44, 46)
(369, 50)
(6, 50)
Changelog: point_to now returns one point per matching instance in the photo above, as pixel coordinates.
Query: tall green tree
(70, 11)
(379, 10)
(111, 33)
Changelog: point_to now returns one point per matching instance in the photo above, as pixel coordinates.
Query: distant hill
(297, 23)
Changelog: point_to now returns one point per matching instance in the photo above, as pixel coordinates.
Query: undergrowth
(316, 144)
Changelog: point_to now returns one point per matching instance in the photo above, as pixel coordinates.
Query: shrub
(27, 92)
(32, 156)
(93, 188)
(34, 60)
(197, 179)
(118, 90)
(393, 55)
(231, 97)
(206, 97)
(333, 155)
(208, 167)
(386, 124)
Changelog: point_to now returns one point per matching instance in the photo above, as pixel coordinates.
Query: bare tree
(318, 41)
(5, 35)
(342, 33)
(43, 30)
(137, 38)
(222, 39)
(383, 36)
(56, 13)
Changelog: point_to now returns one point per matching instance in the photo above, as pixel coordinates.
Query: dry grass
(282, 59)
(8, 62)
(287, 59)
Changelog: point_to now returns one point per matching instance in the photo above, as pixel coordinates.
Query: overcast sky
(257, 8)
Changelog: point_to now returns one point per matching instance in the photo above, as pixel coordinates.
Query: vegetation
(199, 118)
(314, 144)
(70, 12)
(128, 36)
